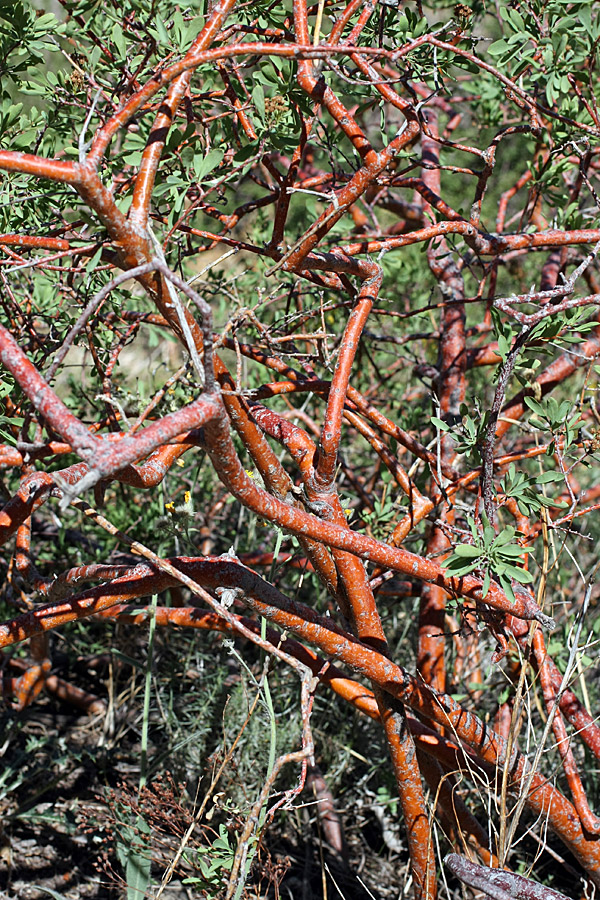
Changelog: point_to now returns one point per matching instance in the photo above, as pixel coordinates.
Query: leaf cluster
(527, 490)
(496, 556)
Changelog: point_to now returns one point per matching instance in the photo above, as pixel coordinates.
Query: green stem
(266, 691)
(147, 690)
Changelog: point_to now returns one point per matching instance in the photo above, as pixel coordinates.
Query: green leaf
(246, 152)
(520, 575)
(94, 58)
(119, 39)
(538, 408)
(504, 345)
(161, 31)
(507, 588)
(192, 32)
(135, 857)
(505, 536)
(206, 164)
(549, 477)
(498, 48)
(467, 551)
(93, 261)
(456, 570)
(7, 436)
(486, 585)
(258, 98)
(514, 551)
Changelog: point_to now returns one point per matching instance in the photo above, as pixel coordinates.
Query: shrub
(299, 307)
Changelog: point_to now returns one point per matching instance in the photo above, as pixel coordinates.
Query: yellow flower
(187, 497)
(170, 506)
(180, 463)
(347, 513)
